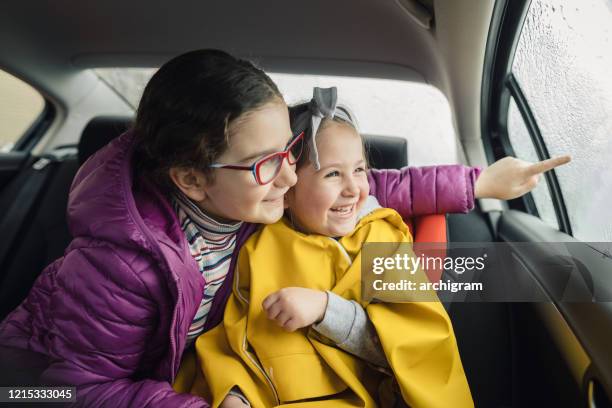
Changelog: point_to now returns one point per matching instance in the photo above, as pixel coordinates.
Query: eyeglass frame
(255, 166)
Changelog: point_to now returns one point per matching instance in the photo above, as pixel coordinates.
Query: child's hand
(232, 401)
(294, 308)
(510, 177)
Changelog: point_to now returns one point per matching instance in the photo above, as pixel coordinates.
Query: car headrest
(386, 152)
(99, 132)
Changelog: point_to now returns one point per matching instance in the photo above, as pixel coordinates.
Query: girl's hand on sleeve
(510, 177)
(293, 308)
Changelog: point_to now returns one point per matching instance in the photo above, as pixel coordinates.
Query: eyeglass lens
(270, 167)
(295, 151)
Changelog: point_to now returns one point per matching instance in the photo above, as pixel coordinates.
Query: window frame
(32, 135)
(37, 129)
(499, 86)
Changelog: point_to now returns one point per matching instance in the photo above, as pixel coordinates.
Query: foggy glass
(563, 64)
(525, 150)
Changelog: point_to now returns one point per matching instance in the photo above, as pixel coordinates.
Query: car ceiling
(48, 42)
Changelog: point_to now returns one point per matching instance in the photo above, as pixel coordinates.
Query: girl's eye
(334, 173)
(360, 169)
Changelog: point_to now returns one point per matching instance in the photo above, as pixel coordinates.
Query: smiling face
(327, 201)
(234, 195)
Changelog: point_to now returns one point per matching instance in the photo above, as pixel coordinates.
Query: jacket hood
(103, 203)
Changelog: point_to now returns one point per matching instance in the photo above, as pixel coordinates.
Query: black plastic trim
(542, 151)
(506, 22)
(37, 130)
(498, 87)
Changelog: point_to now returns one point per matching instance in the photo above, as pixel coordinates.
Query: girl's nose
(350, 188)
(286, 177)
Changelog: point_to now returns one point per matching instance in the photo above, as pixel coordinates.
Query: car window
(418, 112)
(562, 65)
(20, 107)
(524, 149)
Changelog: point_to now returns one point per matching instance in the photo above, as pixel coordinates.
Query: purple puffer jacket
(112, 315)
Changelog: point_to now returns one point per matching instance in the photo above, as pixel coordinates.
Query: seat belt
(33, 182)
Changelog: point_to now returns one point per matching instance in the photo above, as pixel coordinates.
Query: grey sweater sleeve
(237, 392)
(347, 325)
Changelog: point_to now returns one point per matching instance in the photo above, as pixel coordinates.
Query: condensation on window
(417, 112)
(563, 64)
(129, 83)
(525, 150)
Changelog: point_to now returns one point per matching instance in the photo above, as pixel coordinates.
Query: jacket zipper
(172, 337)
(253, 360)
(263, 371)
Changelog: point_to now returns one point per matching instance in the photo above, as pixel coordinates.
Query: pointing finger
(549, 164)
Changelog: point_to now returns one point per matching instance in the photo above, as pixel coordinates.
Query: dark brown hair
(187, 108)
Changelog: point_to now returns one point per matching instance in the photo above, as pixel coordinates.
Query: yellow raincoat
(273, 367)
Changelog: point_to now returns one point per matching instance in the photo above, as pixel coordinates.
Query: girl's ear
(191, 182)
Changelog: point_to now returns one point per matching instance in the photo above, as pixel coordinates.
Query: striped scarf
(212, 244)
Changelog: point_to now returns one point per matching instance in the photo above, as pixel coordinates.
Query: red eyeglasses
(267, 168)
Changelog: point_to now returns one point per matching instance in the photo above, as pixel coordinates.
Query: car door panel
(579, 329)
(10, 164)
